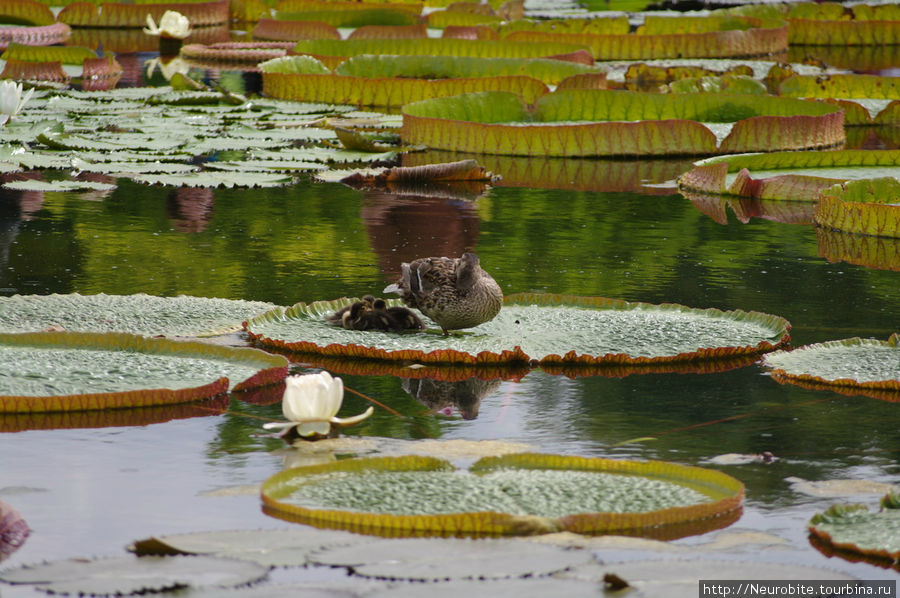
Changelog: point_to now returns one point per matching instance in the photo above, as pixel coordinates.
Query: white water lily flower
(171, 24)
(311, 403)
(11, 100)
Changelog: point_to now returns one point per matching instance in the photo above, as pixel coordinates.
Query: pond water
(89, 486)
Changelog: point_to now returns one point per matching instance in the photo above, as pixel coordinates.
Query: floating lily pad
(832, 23)
(797, 176)
(121, 15)
(578, 122)
(132, 575)
(865, 207)
(855, 363)
(856, 530)
(71, 371)
(549, 329)
(710, 36)
(419, 559)
(508, 495)
(138, 314)
(270, 548)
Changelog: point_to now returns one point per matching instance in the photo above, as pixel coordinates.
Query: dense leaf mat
(544, 328)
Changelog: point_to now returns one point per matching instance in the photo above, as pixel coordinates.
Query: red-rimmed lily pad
(851, 364)
(797, 176)
(864, 207)
(855, 531)
(866, 99)
(833, 23)
(621, 123)
(518, 494)
(537, 328)
(114, 14)
(137, 314)
(673, 37)
(77, 371)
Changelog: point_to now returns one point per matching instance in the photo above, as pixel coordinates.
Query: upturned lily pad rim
(273, 368)
(725, 491)
(881, 387)
(828, 544)
(516, 356)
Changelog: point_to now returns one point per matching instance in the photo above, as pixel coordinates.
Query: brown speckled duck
(455, 293)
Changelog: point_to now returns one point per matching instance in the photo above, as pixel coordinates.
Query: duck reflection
(402, 228)
(190, 209)
(13, 530)
(442, 396)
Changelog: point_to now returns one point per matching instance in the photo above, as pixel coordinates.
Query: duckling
(400, 317)
(455, 293)
(363, 316)
(339, 317)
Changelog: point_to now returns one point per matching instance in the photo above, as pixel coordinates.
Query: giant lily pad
(798, 176)
(131, 575)
(668, 37)
(549, 329)
(854, 363)
(334, 52)
(866, 99)
(507, 495)
(865, 207)
(137, 314)
(833, 23)
(855, 530)
(610, 123)
(114, 14)
(53, 371)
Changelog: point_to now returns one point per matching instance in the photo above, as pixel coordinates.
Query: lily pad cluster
(507, 495)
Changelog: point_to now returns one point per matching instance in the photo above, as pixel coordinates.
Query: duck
(455, 293)
(339, 318)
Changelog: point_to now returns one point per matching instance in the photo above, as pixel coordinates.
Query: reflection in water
(443, 396)
(745, 208)
(190, 209)
(873, 252)
(403, 228)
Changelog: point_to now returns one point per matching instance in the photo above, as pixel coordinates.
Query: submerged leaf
(130, 575)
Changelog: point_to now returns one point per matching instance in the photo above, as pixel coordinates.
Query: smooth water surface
(89, 484)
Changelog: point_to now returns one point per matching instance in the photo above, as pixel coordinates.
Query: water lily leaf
(594, 123)
(138, 314)
(853, 362)
(121, 15)
(418, 559)
(269, 548)
(334, 52)
(234, 54)
(279, 30)
(67, 185)
(325, 155)
(797, 176)
(26, 13)
(45, 72)
(551, 329)
(717, 84)
(217, 179)
(505, 588)
(839, 488)
(132, 575)
(854, 529)
(62, 371)
(506, 495)
(866, 207)
(389, 32)
(677, 37)
(62, 54)
(464, 170)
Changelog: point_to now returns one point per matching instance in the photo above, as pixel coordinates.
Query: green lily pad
(550, 329)
(853, 363)
(36, 185)
(131, 575)
(508, 495)
(137, 314)
(65, 371)
(796, 176)
(865, 207)
(855, 529)
(580, 122)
